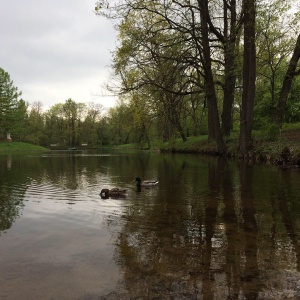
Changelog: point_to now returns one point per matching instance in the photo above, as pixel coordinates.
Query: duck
(145, 183)
(114, 192)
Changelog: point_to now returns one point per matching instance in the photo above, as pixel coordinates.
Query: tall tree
(185, 28)
(70, 111)
(55, 125)
(213, 114)
(36, 124)
(226, 24)
(9, 103)
(89, 125)
(20, 128)
(120, 119)
(249, 76)
(147, 66)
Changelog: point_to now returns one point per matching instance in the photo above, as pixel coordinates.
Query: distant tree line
(66, 124)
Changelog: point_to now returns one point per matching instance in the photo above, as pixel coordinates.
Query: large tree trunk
(228, 39)
(229, 67)
(229, 87)
(249, 77)
(287, 83)
(213, 114)
(176, 120)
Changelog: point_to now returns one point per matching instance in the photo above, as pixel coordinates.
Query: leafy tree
(213, 114)
(287, 83)
(36, 125)
(292, 112)
(71, 124)
(120, 120)
(103, 131)
(20, 128)
(175, 35)
(225, 22)
(275, 44)
(148, 73)
(73, 113)
(55, 125)
(143, 116)
(90, 124)
(9, 103)
(199, 42)
(249, 76)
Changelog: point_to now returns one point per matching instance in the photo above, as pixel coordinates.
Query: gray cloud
(55, 50)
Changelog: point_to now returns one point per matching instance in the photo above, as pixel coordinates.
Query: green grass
(193, 144)
(126, 146)
(290, 126)
(9, 147)
(263, 142)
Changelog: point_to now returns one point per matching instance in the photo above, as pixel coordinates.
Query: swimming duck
(115, 192)
(145, 183)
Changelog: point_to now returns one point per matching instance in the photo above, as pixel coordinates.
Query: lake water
(211, 228)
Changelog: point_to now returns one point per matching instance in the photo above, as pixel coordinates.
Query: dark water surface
(211, 229)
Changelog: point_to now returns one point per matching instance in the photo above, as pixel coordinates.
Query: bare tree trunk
(249, 77)
(287, 83)
(229, 40)
(229, 69)
(213, 115)
(229, 87)
(174, 116)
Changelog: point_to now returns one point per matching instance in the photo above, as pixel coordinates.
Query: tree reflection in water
(11, 201)
(207, 247)
(211, 229)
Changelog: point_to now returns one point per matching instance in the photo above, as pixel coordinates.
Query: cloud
(55, 50)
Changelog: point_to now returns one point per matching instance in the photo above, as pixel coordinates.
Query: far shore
(284, 151)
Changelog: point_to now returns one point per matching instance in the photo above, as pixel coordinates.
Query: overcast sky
(56, 49)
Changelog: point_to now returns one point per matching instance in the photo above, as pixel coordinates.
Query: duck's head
(138, 182)
(104, 193)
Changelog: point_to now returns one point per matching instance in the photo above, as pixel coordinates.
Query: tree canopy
(11, 104)
(205, 50)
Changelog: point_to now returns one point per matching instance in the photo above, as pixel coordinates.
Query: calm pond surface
(211, 228)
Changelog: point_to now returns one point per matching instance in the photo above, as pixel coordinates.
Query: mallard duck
(145, 183)
(115, 192)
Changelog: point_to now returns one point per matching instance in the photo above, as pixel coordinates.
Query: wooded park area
(182, 68)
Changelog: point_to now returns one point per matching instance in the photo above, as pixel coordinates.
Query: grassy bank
(262, 143)
(13, 147)
(265, 146)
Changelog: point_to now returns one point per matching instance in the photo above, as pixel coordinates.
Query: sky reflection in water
(211, 229)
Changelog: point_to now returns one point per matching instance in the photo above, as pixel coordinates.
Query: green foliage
(20, 126)
(272, 132)
(292, 113)
(158, 56)
(193, 144)
(267, 90)
(120, 124)
(291, 126)
(10, 106)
